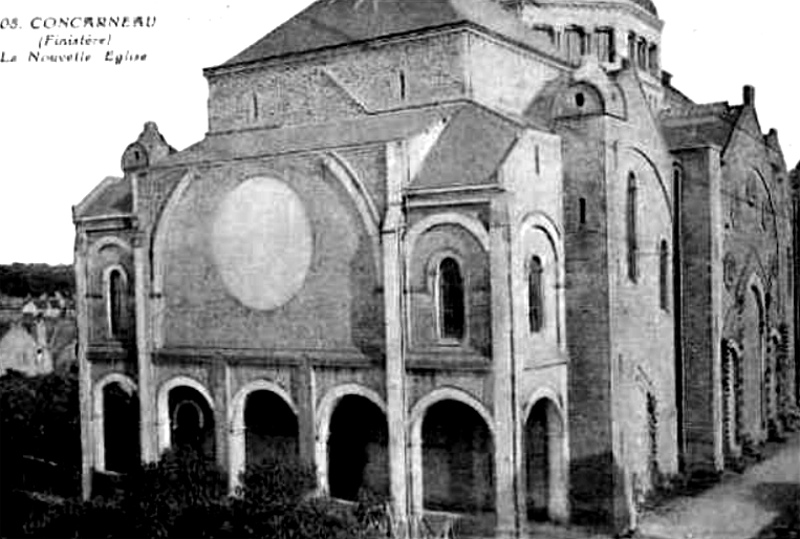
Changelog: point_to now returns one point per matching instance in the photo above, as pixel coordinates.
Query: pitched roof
(700, 124)
(469, 151)
(362, 130)
(331, 23)
(113, 196)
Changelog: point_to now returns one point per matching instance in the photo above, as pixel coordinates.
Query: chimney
(749, 94)
(666, 78)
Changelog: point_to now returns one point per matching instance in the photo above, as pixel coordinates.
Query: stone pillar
(392, 241)
(505, 398)
(306, 394)
(85, 372)
(701, 232)
(147, 402)
(219, 381)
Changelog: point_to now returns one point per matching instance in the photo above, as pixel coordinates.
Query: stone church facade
(480, 257)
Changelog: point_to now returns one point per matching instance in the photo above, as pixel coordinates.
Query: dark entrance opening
(271, 429)
(192, 421)
(120, 428)
(457, 464)
(358, 449)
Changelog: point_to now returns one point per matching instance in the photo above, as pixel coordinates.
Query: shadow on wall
(366, 313)
(595, 502)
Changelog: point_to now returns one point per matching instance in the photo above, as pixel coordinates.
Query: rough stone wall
(338, 307)
(757, 240)
(104, 255)
(435, 244)
(587, 306)
(702, 408)
(344, 84)
(642, 329)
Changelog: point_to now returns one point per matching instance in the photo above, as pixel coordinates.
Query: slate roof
(115, 197)
(700, 124)
(341, 133)
(332, 23)
(469, 151)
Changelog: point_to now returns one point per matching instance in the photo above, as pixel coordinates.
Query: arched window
(117, 292)
(632, 48)
(663, 275)
(641, 53)
(451, 300)
(577, 43)
(652, 58)
(605, 45)
(631, 228)
(535, 296)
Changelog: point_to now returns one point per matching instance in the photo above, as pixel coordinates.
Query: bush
(40, 426)
(185, 495)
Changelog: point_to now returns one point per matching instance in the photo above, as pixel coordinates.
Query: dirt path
(762, 503)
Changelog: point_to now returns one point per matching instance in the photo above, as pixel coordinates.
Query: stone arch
(773, 375)
(470, 224)
(731, 396)
(163, 408)
(465, 240)
(415, 422)
(546, 442)
(358, 193)
(237, 455)
(665, 190)
(123, 324)
(754, 357)
(540, 223)
(581, 98)
(129, 387)
(325, 411)
(158, 245)
(109, 241)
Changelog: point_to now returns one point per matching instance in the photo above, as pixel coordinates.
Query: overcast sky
(63, 127)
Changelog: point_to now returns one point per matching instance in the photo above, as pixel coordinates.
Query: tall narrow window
(641, 54)
(632, 48)
(535, 296)
(582, 211)
(576, 43)
(652, 58)
(116, 302)
(663, 275)
(605, 45)
(451, 300)
(631, 228)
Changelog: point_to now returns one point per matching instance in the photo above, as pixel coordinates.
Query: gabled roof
(696, 125)
(469, 152)
(114, 196)
(332, 23)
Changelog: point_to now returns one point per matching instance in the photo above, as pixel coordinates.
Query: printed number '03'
(9, 24)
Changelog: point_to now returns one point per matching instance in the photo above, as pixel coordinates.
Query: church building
(478, 256)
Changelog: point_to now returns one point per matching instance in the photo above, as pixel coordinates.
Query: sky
(64, 126)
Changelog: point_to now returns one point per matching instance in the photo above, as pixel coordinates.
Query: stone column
(147, 419)
(85, 376)
(392, 242)
(505, 397)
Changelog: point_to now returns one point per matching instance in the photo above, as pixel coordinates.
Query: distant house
(21, 351)
(37, 335)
